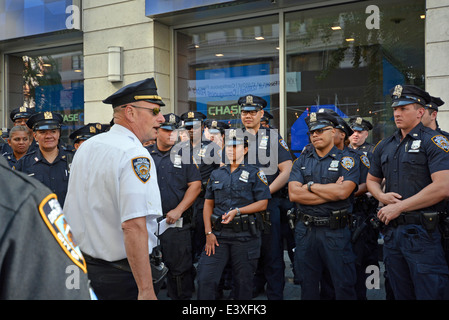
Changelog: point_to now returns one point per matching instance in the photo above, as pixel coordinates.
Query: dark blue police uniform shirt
(12, 161)
(207, 156)
(173, 175)
(237, 189)
(262, 142)
(310, 167)
(407, 165)
(54, 175)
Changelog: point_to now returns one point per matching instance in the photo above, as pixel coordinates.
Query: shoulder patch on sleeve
(51, 212)
(442, 142)
(347, 163)
(283, 144)
(142, 167)
(262, 177)
(364, 159)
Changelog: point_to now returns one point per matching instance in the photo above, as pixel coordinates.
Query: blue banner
(154, 7)
(22, 18)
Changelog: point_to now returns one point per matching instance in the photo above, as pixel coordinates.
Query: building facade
(300, 55)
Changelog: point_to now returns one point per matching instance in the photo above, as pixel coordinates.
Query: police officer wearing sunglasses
(321, 183)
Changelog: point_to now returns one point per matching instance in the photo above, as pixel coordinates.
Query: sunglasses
(318, 131)
(155, 111)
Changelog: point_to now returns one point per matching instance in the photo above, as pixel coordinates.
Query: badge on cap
(22, 109)
(172, 118)
(347, 163)
(249, 100)
(441, 142)
(214, 123)
(48, 115)
(232, 133)
(359, 121)
(313, 117)
(92, 129)
(397, 91)
(142, 166)
(191, 115)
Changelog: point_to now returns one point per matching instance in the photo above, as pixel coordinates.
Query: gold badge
(191, 115)
(23, 109)
(232, 133)
(397, 91)
(172, 118)
(249, 100)
(92, 129)
(313, 117)
(98, 125)
(214, 123)
(359, 121)
(48, 115)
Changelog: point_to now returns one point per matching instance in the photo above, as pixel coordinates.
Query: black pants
(110, 283)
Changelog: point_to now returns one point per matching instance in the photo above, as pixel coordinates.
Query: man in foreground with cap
(268, 151)
(179, 184)
(48, 163)
(322, 233)
(113, 199)
(415, 165)
(361, 128)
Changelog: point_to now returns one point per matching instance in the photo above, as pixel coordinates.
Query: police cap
(235, 137)
(407, 94)
(266, 116)
(171, 122)
(21, 112)
(360, 124)
(190, 117)
(434, 103)
(86, 132)
(46, 120)
(250, 103)
(144, 90)
(216, 126)
(318, 120)
(342, 124)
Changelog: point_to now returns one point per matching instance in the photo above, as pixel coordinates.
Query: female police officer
(235, 196)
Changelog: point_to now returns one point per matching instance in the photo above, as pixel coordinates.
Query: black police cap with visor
(406, 94)
(171, 122)
(360, 124)
(235, 137)
(86, 132)
(434, 103)
(144, 90)
(342, 124)
(46, 120)
(192, 117)
(216, 126)
(251, 103)
(21, 113)
(319, 120)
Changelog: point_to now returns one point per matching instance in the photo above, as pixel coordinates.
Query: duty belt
(338, 219)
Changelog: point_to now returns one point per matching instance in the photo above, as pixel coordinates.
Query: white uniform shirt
(112, 179)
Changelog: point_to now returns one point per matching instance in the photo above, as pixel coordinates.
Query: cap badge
(48, 115)
(190, 115)
(397, 91)
(92, 129)
(359, 120)
(214, 124)
(313, 117)
(232, 133)
(249, 100)
(172, 118)
(22, 109)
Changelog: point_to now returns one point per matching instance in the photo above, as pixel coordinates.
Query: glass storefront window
(219, 63)
(346, 66)
(49, 81)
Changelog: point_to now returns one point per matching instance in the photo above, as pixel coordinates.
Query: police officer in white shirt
(113, 197)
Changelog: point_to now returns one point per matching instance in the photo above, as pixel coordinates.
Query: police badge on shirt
(142, 166)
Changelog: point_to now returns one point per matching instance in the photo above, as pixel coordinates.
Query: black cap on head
(190, 117)
(144, 90)
(171, 122)
(216, 126)
(407, 94)
(85, 132)
(250, 103)
(318, 120)
(434, 103)
(266, 116)
(21, 112)
(360, 124)
(46, 120)
(342, 124)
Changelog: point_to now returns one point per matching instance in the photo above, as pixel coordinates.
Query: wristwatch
(208, 233)
(309, 185)
(238, 211)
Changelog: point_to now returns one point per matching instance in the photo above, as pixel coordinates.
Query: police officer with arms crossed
(415, 165)
(321, 182)
(268, 151)
(179, 185)
(36, 264)
(236, 195)
(113, 199)
(48, 163)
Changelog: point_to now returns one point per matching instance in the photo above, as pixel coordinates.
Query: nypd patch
(283, 144)
(262, 177)
(51, 212)
(142, 168)
(442, 142)
(364, 159)
(347, 163)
